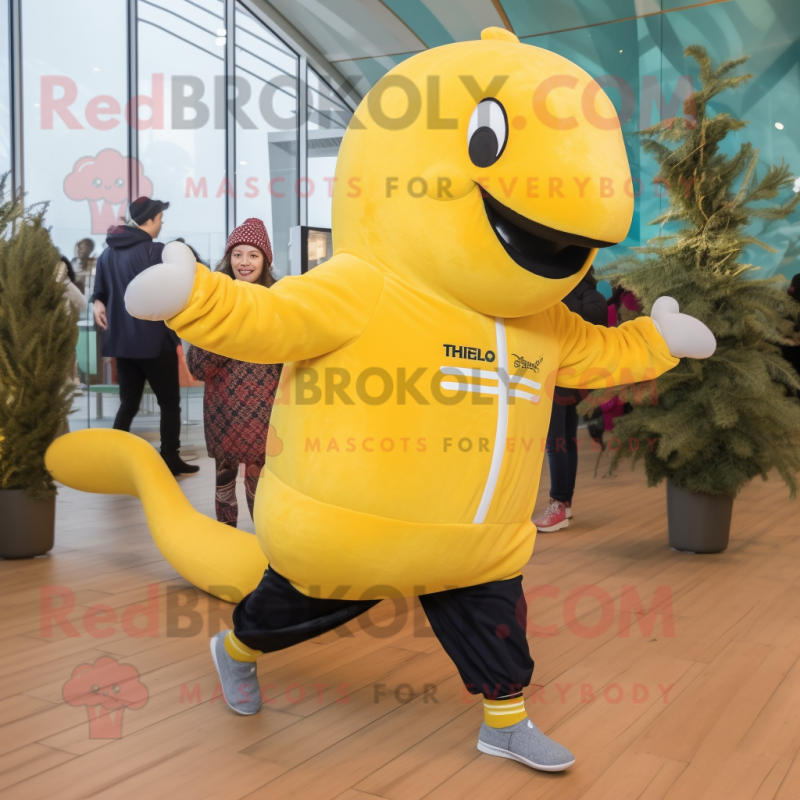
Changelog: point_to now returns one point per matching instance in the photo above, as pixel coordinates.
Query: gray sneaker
(239, 679)
(525, 743)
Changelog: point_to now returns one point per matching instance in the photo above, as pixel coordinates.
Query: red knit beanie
(252, 232)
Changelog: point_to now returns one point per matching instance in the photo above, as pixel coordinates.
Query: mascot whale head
(487, 173)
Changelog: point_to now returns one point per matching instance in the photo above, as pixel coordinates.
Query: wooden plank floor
(694, 694)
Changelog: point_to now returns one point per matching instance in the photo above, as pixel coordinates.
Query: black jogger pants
(481, 628)
(162, 375)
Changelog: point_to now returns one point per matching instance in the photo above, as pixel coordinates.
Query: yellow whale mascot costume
(474, 186)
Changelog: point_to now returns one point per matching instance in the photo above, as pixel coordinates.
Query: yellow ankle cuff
(504, 713)
(238, 650)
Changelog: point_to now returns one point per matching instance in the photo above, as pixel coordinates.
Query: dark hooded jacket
(130, 251)
(792, 353)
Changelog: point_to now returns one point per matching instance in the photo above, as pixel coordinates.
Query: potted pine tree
(719, 422)
(38, 335)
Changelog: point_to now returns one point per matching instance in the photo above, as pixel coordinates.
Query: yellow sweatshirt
(411, 430)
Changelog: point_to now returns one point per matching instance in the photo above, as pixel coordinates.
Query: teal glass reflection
(421, 20)
(641, 64)
(530, 19)
(769, 32)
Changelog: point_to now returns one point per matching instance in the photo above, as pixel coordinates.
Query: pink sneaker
(553, 519)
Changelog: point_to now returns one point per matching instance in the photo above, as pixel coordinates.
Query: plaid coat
(237, 404)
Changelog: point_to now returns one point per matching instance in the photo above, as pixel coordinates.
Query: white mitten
(685, 336)
(163, 291)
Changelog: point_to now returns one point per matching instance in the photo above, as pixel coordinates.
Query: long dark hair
(266, 278)
(68, 265)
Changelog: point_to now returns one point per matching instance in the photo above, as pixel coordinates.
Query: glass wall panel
(266, 133)
(74, 91)
(5, 86)
(328, 117)
(181, 138)
(181, 127)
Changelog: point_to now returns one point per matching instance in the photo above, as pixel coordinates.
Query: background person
(194, 252)
(621, 302)
(792, 353)
(562, 436)
(144, 350)
(73, 295)
(84, 266)
(72, 292)
(238, 398)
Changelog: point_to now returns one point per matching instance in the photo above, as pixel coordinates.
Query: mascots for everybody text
(474, 186)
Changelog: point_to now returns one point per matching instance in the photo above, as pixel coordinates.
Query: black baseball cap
(145, 208)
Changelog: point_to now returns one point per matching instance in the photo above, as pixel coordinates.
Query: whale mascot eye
(487, 132)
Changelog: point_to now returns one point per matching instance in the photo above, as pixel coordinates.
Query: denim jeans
(562, 448)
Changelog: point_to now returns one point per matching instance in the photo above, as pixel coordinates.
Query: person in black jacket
(143, 350)
(792, 352)
(562, 436)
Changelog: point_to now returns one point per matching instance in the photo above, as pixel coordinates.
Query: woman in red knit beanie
(238, 395)
(248, 256)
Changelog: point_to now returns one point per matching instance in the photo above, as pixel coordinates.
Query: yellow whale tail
(216, 558)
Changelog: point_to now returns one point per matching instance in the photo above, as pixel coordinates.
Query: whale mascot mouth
(541, 250)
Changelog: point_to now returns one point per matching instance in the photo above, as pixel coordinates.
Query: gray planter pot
(28, 526)
(698, 523)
